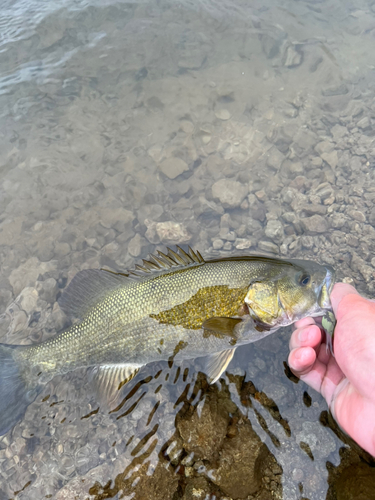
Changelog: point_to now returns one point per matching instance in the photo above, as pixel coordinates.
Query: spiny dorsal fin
(165, 261)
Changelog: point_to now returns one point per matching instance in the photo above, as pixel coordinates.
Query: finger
(307, 367)
(304, 322)
(310, 335)
(301, 360)
(339, 291)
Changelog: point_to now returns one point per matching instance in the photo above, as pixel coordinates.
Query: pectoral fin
(109, 379)
(218, 363)
(221, 327)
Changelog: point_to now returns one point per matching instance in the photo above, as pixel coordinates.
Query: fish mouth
(326, 288)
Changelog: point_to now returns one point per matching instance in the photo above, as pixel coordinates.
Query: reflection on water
(129, 126)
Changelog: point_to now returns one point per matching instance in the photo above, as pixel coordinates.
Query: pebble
(274, 230)
(230, 193)
(314, 224)
(135, 245)
(170, 232)
(217, 244)
(173, 167)
(268, 246)
(222, 114)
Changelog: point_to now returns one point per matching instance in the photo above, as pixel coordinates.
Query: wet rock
(331, 158)
(47, 290)
(319, 440)
(314, 208)
(274, 230)
(170, 232)
(357, 215)
(217, 244)
(364, 123)
(241, 463)
(197, 488)
(222, 114)
(136, 244)
(340, 89)
(293, 57)
(203, 432)
(27, 273)
(243, 243)
(275, 159)
(230, 193)
(314, 224)
(173, 167)
(356, 482)
(268, 247)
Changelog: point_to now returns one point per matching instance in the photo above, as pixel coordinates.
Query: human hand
(346, 381)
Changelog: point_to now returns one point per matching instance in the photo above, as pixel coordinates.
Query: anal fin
(108, 381)
(218, 363)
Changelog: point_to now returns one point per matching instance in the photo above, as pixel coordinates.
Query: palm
(347, 381)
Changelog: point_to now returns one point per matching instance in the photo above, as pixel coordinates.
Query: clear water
(99, 101)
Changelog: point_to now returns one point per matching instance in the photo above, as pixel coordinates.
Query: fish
(175, 306)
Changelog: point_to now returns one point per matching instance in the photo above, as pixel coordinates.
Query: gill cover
(263, 302)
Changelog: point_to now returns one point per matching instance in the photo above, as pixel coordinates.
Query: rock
(293, 57)
(275, 159)
(171, 232)
(222, 114)
(241, 463)
(173, 167)
(217, 244)
(341, 89)
(197, 488)
(364, 123)
(314, 208)
(274, 230)
(26, 274)
(356, 482)
(268, 246)
(135, 245)
(357, 215)
(117, 218)
(203, 432)
(47, 290)
(324, 147)
(314, 224)
(243, 244)
(319, 439)
(230, 193)
(330, 158)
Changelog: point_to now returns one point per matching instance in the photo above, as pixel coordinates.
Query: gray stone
(171, 232)
(275, 159)
(318, 438)
(27, 273)
(230, 193)
(173, 167)
(274, 230)
(340, 89)
(330, 158)
(314, 208)
(47, 290)
(217, 244)
(357, 215)
(243, 243)
(268, 246)
(135, 245)
(314, 224)
(364, 123)
(293, 57)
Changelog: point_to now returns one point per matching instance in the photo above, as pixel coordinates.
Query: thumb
(339, 291)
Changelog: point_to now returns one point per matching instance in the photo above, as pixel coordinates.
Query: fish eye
(305, 280)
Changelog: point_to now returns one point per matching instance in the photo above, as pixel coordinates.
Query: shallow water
(118, 120)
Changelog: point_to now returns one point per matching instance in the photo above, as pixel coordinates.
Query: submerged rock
(230, 193)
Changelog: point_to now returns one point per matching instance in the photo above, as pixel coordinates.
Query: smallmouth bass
(175, 306)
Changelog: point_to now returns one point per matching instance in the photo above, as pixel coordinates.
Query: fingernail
(303, 335)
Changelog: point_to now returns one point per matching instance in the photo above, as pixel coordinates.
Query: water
(118, 121)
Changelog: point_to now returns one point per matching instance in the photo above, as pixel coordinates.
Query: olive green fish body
(176, 306)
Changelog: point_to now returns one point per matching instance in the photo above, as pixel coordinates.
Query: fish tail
(16, 393)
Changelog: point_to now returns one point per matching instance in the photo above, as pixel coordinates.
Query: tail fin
(15, 393)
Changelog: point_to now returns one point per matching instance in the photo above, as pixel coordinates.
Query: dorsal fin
(87, 288)
(166, 261)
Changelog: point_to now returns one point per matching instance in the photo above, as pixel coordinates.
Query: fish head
(294, 291)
